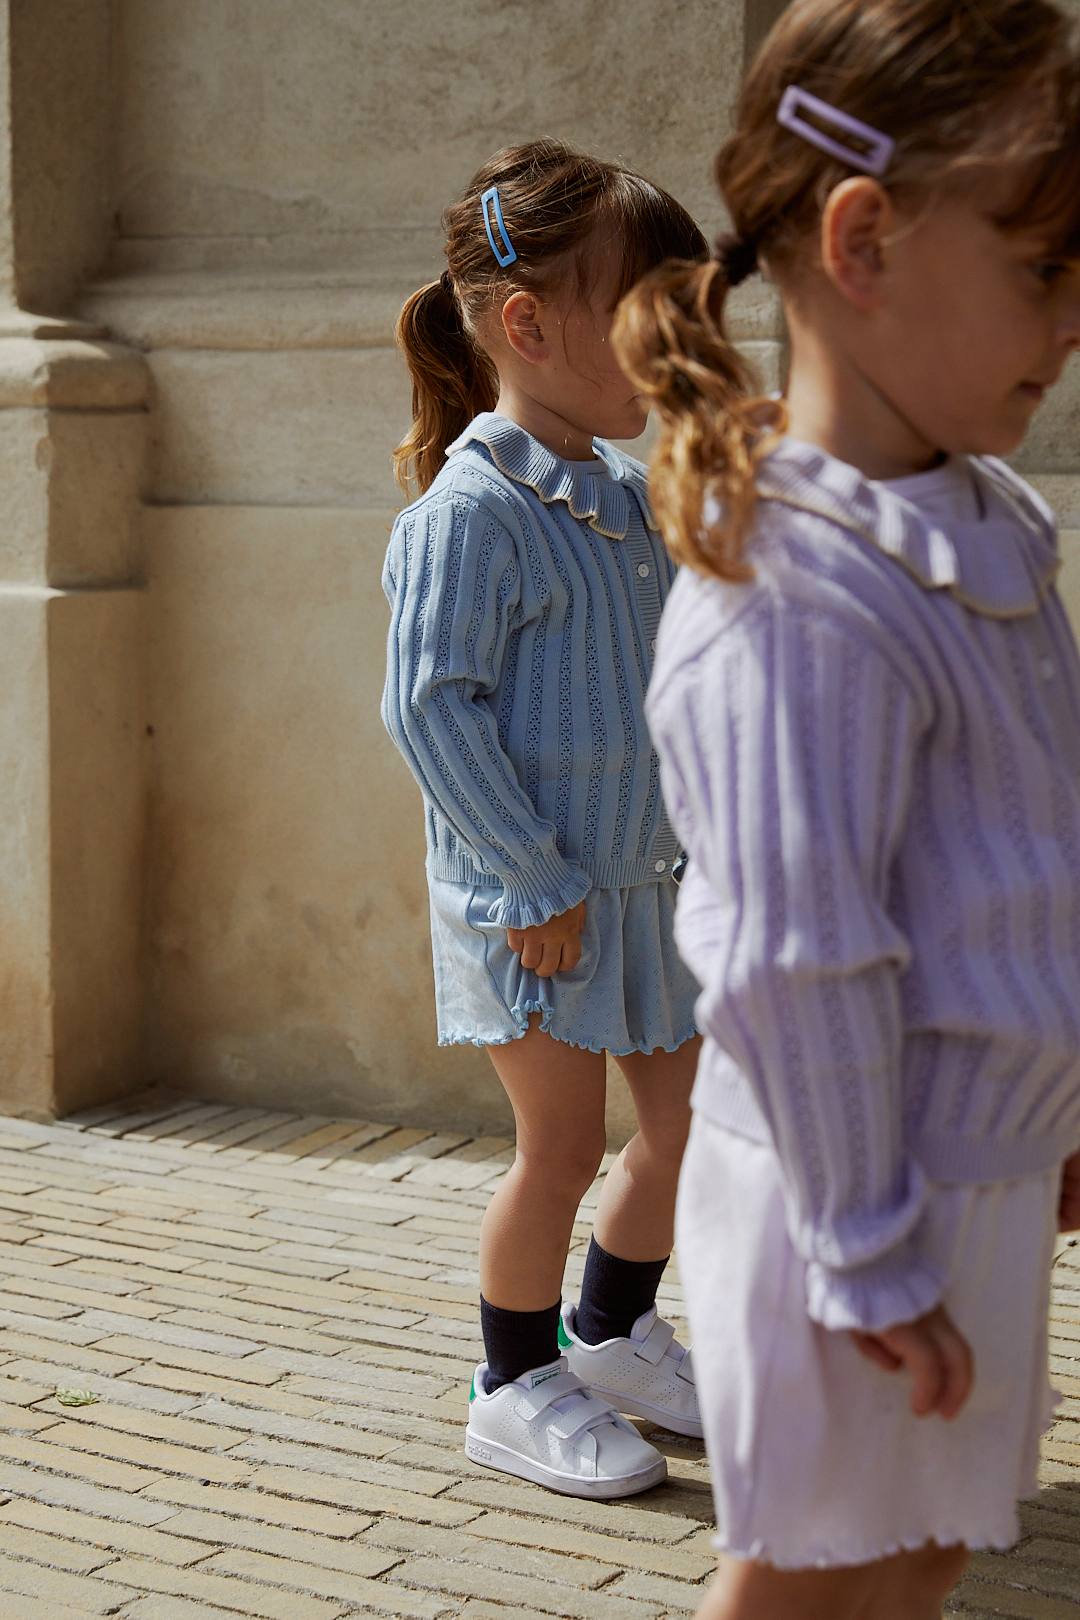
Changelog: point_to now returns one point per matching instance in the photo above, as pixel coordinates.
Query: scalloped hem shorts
(631, 991)
(816, 1458)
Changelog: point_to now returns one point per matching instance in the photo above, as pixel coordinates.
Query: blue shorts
(631, 991)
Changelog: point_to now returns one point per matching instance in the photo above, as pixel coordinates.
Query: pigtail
(452, 381)
(715, 427)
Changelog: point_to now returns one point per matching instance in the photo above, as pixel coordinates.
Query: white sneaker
(548, 1428)
(649, 1374)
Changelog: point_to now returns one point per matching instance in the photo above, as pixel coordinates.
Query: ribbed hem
(552, 888)
(899, 1287)
(553, 876)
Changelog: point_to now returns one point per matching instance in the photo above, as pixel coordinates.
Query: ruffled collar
(593, 498)
(1001, 566)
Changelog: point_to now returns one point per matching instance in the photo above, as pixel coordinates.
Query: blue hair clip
(508, 253)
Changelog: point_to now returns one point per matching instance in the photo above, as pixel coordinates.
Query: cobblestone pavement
(275, 1317)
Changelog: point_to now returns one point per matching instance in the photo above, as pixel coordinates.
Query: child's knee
(566, 1170)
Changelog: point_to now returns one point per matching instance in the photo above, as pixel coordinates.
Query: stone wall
(278, 193)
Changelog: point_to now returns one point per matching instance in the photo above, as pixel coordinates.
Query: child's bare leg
(557, 1094)
(636, 1215)
(910, 1586)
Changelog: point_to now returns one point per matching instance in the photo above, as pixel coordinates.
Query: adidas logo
(542, 1377)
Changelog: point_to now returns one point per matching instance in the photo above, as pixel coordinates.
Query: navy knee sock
(517, 1341)
(614, 1293)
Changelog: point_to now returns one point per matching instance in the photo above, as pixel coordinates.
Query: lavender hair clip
(878, 149)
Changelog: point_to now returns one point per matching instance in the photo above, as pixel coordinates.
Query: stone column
(72, 413)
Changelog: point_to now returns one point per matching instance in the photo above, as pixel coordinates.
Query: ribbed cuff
(551, 887)
(899, 1287)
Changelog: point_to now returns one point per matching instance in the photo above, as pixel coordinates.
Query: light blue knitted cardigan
(525, 595)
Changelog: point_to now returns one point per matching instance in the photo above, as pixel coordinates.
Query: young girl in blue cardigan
(526, 584)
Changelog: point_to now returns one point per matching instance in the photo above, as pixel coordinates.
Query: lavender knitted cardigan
(872, 755)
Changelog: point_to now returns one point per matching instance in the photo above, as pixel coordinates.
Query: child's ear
(523, 324)
(855, 228)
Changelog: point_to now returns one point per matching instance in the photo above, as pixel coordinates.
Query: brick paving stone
(162, 1607)
(294, 1297)
(31, 1483)
(44, 1547)
(228, 1365)
(477, 1609)
(200, 1385)
(83, 1593)
(513, 1559)
(352, 1557)
(41, 1451)
(16, 1390)
(416, 1378)
(147, 1424)
(45, 1377)
(311, 1576)
(32, 1608)
(95, 1532)
(679, 1597)
(22, 1420)
(95, 1443)
(423, 1481)
(657, 1558)
(646, 1518)
(53, 1298)
(263, 1505)
(363, 1497)
(250, 1597)
(470, 1580)
(347, 1438)
(980, 1602)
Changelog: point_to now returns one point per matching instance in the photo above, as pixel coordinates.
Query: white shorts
(816, 1458)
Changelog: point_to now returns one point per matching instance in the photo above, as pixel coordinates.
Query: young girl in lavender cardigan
(867, 709)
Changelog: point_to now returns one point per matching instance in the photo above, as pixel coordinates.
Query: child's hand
(936, 1354)
(552, 947)
(1069, 1206)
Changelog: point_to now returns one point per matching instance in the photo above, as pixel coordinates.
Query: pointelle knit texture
(872, 756)
(525, 595)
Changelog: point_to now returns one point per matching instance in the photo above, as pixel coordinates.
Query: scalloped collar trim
(1001, 566)
(602, 503)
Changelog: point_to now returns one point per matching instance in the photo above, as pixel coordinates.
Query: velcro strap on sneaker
(685, 1368)
(584, 1414)
(653, 1348)
(532, 1402)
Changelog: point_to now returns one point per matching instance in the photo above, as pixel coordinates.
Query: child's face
(974, 327)
(562, 358)
(583, 371)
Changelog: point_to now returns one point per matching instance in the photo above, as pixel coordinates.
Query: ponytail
(715, 428)
(452, 381)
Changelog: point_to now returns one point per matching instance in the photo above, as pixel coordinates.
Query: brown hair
(553, 201)
(961, 86)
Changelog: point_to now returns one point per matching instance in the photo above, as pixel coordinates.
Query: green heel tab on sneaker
(565, 1341)
(472, 1388)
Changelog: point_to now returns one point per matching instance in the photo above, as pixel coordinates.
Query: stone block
(96, 829)
(25, 995)
(214, 141)
(288, 932)
(309, 427)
